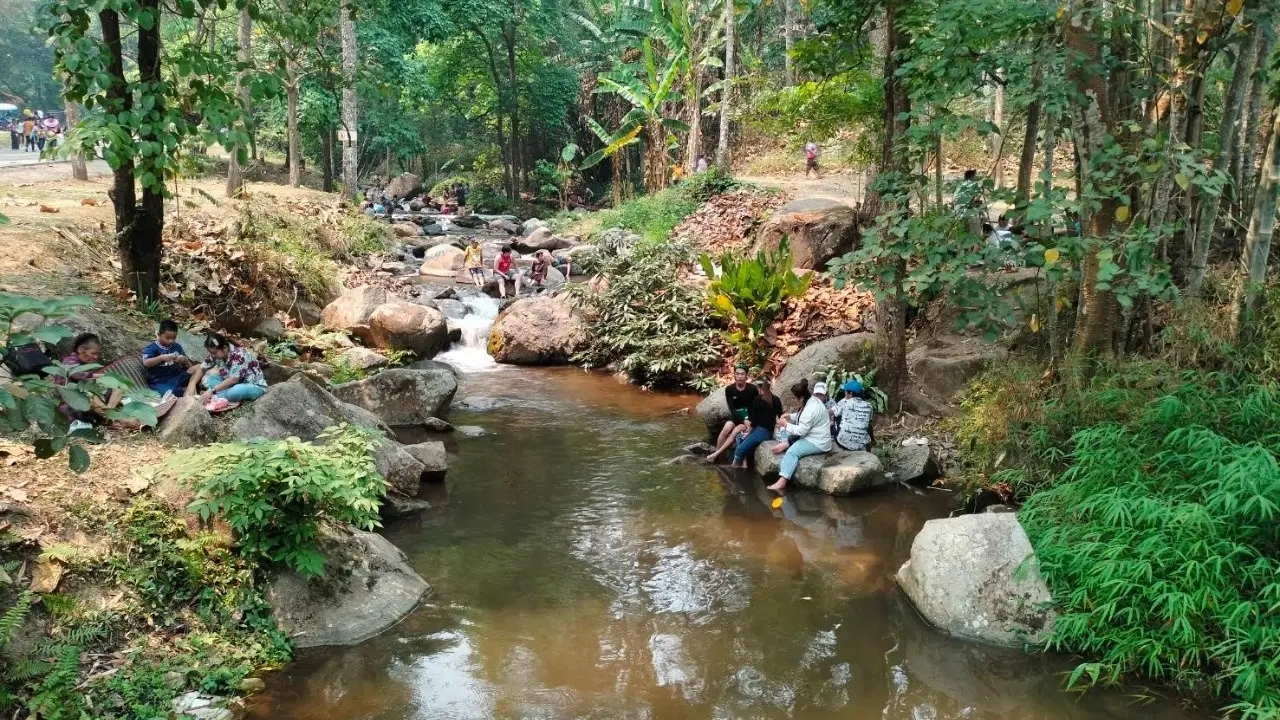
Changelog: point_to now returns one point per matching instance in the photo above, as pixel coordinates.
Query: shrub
(655, 328)
(275, 493)
(1160, 546)
(749, 292)
(651, 216)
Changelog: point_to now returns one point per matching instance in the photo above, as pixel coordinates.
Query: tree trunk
(291, 115)
(694, 147)
(517, 155)
(726, 94)
(1027, 161)
(1233, 104)
(891, 308)
(1252, 119)
(1262, 223)
(788, 38)
(244, 55)
(997, 140)
(507, 177)
(327, 161)
(655, 157)
(350, 107)
(79, 169)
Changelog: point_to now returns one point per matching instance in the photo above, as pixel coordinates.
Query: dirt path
(841, 187)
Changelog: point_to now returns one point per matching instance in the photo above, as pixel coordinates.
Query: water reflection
(576, 576)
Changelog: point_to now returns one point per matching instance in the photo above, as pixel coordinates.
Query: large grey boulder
(368, 587)
(403, 186)
(361, 358)
(543, 239)
(713, 410)
(818, 230)
(442, 261)
(543, 330)
(354, 307)
(528, 226)
(913, 461)
(402, 396)
(408, 326)
(976, 577)
(838, 472)
(301, 408)
(187, 424)
(853, 352)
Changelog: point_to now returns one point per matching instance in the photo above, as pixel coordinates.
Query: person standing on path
(738, 396)
(29, 133)
(766, 408)
(810, 435)
(811, 159)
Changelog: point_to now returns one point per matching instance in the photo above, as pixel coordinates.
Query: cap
(764, 379)
(820, 389)
(852, 386)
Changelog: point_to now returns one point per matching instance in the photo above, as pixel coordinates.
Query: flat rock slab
(838, 472)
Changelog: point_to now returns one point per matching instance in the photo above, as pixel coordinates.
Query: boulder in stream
(368, 587)
(354, 307)
(838, 472)
(362, 358)
(543, 330)
(543, 239)
(403, 325)
(913, 461)
(528, 226)
(432, 455)
(403, 186)
(406, 230)
(976, 577)
(442, 261)
(713, 410)
(402, 396)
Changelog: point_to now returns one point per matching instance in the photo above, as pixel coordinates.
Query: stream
(577, 573)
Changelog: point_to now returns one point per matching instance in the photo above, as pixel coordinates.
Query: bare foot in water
(779, 486)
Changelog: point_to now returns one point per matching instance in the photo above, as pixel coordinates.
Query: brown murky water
(576, 575)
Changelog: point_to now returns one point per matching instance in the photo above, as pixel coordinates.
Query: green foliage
(343, 372)
(748, 293)
(836, 375)
(651, 216)
(275, 493)
(646, 322)
(33, 401)
(364, 236)
(703, 186)
(1159, 542)
(820, 109)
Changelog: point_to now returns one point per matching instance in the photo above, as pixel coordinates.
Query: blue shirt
(164, 373)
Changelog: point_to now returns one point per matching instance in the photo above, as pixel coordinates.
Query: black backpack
(27, 359)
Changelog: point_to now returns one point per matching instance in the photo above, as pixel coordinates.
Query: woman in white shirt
(809, 435)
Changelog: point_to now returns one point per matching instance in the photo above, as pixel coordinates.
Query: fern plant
(275, 493)
(748, 293)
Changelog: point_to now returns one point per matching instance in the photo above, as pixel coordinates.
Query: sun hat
(852, 386)
(820, 389)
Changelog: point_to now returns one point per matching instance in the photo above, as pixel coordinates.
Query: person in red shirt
(504, 269)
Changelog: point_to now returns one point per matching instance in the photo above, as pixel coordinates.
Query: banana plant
(748, 293)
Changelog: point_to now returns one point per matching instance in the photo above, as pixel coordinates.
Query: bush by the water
(653, 217)
(1160, 543)
(653, 327)
(275, 493)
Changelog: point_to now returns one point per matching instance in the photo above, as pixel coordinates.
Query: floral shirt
(853, 418)
(241, 364)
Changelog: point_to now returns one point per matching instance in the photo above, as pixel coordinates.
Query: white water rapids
(469, 353)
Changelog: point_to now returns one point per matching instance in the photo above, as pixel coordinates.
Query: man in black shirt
(739, 396)
(761, 421)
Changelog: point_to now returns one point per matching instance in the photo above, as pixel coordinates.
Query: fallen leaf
(47, 209)
(777, 503)
(16, 494)
(90, 202)
(47, 575)
(137, 484)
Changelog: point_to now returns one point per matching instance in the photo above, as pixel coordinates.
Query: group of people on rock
(505, 269)
(229, 375)
(819, 426)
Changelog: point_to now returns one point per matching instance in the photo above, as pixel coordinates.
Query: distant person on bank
(809, 435)
(739, 396)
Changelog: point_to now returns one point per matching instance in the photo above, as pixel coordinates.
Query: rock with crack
(368, 587)
(942, 371)
(301, 408)
(187, 424)
(402, 396)
(975, 577)
(408, 326)
(361, 358)
(838, 472)
(545, 330)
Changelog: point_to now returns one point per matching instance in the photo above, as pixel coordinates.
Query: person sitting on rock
(231, 374)
(473, 261)
(504, 269)
(739, 397)
(809, 435)
(541, 266)
(168, 368)
(853, 417)
(766, 408)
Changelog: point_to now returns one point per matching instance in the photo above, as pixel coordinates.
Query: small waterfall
(469, 354)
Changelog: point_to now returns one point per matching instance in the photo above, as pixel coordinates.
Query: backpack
(27, 359)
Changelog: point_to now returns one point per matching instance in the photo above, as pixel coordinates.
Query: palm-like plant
(648, 95)
(694, 27)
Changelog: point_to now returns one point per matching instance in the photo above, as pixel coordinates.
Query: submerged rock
(471, 431)
(544, 330)
(818, 230)
(402, 396)
(838, 472)
(368, 587)
(976, 577)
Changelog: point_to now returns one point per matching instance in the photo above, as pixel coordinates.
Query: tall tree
(244, 55)
(79, 169)
(726, 91)
(350, 103)
(1262, 223)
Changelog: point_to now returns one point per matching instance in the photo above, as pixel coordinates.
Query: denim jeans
(747, 445)
(791, 458)
(242, 392)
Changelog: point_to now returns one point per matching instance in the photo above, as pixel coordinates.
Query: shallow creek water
(575, 575)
